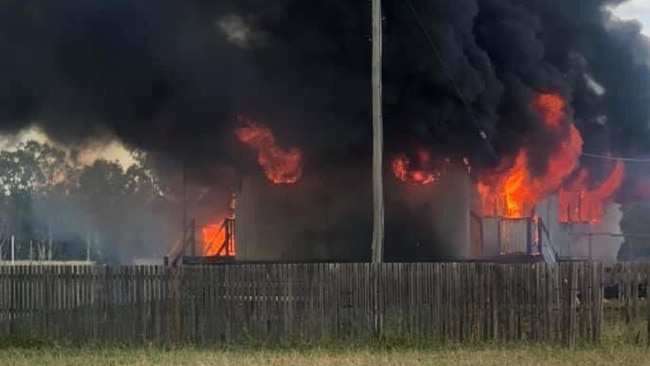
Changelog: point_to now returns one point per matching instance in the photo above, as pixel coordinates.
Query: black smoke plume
(170, 77)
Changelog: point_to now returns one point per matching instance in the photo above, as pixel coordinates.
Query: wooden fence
(560, 303)
(627, 309)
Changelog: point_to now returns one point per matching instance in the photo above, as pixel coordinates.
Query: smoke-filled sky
(170, 77)
(112, 150)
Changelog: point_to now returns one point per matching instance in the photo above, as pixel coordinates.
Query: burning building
(427, 210)
(588, 214)
(323, 214)
(538, 213)
(322, 217)
(511, 194)
(290, 216)
(327, 216)
(436, 210)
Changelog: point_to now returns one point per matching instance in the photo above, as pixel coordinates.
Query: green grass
(611, 352)
(609, 355)
(621, 345)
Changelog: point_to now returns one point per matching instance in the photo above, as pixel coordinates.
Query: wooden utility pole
(377, 137)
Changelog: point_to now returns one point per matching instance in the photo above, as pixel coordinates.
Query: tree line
(56, 208)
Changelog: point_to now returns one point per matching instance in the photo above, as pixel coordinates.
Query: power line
(608, 157)
(468, 107)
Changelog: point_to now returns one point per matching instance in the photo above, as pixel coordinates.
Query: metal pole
(13, 250)
(378, 137)
(591, 236)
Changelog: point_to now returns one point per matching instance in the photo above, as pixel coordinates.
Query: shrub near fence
(559, 303)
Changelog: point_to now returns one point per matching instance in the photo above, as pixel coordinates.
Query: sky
(632, 9)
(636, 9)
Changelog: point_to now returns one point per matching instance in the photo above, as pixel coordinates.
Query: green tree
(18, 177)
(123, 206)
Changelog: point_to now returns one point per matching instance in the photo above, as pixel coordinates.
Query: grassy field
(621, 345)
(609, 355)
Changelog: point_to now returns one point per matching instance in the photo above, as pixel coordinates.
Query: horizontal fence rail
(465, 302)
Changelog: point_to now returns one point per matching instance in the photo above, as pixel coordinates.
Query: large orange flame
(215, 241)
(580, 202)
(219, 236)
(512, 190)
(280, 166)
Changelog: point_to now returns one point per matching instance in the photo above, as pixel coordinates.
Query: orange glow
(280, 166)
(219, 236)
(430, 171)
(466, 164)
(213, 236)
(512, 190)
(580, 202)
(401, 169)
(553, 108)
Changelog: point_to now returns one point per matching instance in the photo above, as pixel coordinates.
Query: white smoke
(638, 10)
(111, 150)
(239, 32)
(594, 85)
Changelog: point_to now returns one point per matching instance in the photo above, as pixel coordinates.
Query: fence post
(375, 269)
(572, 283)
(628, 283)
(139, 305)
(176, 304)
(598, 297)
(647, 303)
